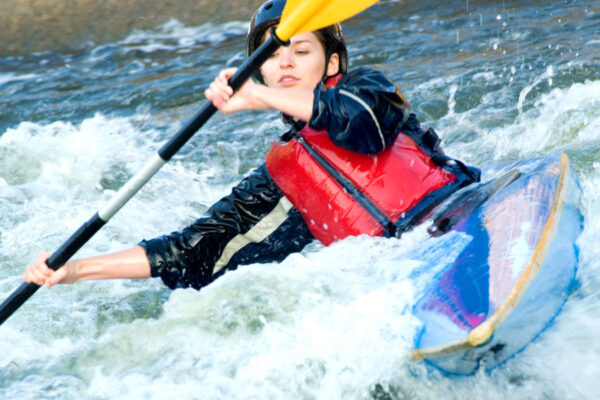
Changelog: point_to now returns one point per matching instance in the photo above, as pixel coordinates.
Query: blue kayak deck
(511, 276)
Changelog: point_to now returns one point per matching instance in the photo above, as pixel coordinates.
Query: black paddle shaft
(168, 150)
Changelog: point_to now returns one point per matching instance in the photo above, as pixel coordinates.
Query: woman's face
(300, 65)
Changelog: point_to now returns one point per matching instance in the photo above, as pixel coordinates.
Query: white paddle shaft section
(129, 190)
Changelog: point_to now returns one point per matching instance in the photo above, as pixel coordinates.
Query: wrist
(261, 97)
(75, 271)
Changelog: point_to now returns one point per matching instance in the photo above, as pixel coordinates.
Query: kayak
(513, 240)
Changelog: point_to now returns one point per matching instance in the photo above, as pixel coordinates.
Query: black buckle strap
(431, 139)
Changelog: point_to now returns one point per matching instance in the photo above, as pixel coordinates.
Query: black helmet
(269, 14)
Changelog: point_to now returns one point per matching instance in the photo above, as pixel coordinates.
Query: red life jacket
(394, 180)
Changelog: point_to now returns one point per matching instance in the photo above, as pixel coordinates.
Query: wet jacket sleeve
(362, 113)
(187, 258)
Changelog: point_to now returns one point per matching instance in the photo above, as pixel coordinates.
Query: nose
(286, 58)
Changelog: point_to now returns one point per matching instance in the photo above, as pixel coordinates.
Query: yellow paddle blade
(308, 15)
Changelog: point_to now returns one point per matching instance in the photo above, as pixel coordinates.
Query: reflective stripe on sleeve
(265, 227)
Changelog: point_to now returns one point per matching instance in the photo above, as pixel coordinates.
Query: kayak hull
(515, 268)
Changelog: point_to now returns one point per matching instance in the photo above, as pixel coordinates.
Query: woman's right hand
(224, 99)
(40, 274)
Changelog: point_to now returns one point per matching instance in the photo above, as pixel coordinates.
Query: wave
(10, 77)
(173, 35)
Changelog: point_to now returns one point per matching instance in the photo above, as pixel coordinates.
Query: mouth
(288, 80)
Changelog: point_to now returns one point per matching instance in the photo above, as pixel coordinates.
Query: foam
(174, 35)
(10, 77)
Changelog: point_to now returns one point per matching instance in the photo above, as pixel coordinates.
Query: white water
(329, 323)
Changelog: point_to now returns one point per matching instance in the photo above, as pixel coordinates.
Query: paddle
(298, 16)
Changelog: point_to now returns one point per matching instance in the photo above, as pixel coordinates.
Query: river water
(500, 81)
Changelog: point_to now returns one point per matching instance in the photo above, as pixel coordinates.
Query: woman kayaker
(340, 122)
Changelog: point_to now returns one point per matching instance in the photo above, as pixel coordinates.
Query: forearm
(297, 103)
(127, 264)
